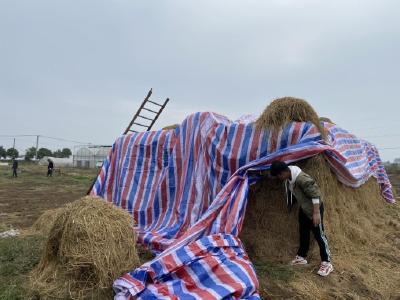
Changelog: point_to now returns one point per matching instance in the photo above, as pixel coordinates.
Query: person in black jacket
(50, 168)
(14, 167)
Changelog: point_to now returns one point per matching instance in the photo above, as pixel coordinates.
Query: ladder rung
(156, 112)
(140, 124)
(133, 130)
(154, 102)
(145, 118)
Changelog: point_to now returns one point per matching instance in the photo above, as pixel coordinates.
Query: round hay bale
(282, 111)
(90, 244)
(325, 119)
(170, 127)
(46, 220)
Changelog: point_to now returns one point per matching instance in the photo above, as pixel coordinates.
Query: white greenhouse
(90, 156)
(57, 161)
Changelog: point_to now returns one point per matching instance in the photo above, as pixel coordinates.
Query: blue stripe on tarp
(225, 160)
(248, 131)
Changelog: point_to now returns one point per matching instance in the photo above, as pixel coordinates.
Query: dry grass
(170, 127)
(282, 111)
(325, 119)
(45, 222)
(90, 244)
(358, 223)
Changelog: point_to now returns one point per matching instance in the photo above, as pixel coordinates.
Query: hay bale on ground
(325, 119)
(282, 111)
(356, 226)
(45, 222)
(90, 244)
(170, 127)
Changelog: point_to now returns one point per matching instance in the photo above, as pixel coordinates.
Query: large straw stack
(90, 244)
(171, 127)
(362, 229)
(282, 111)
(348, 213)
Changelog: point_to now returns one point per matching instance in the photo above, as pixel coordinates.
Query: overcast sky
(79, 69)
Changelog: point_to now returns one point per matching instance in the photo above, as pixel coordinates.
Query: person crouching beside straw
(311, 212)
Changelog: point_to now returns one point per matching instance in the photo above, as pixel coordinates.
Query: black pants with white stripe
(305, 226)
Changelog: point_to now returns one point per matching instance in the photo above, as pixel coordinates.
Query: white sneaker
(325, 269)
(298, 260)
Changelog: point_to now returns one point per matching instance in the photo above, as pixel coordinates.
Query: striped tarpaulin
(187, 191)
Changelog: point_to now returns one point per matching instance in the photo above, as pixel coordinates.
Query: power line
(64, 140)
(37, 140)
(382, 135)
(376, 127)
(19, 139)
(16, 135)
(389, 148)
(44, 136)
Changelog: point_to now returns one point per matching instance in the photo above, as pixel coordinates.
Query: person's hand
(316, 218)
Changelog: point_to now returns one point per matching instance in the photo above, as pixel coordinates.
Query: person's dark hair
(277, 167)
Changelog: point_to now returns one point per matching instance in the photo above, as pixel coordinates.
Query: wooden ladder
(155, 113)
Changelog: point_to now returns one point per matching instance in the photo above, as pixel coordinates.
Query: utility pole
(37, 146)
(14, 144)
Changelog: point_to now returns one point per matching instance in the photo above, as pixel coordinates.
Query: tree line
(30, 153)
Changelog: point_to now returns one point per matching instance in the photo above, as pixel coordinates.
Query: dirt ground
(395, 180)
(23, 199)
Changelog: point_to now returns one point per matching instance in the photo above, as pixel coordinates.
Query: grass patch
(18, 256)
(144, 254)
(12, 290)
(273, 271)
(39, 179)
(4, 227)
(273, 279)
(83, 178)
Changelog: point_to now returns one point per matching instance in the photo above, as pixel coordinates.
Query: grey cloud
(84, 66)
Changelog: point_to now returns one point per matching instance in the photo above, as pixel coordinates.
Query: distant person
(311, 213)
(50, 168)
(14, 166)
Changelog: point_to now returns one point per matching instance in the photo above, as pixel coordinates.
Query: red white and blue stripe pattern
(187, 192)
